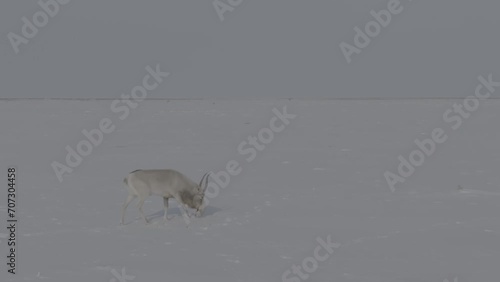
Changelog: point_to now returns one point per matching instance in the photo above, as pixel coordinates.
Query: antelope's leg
(125, 205)
(139, 206)
(183, 208)
(165, 208)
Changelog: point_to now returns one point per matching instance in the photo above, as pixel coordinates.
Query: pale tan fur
(166, 183)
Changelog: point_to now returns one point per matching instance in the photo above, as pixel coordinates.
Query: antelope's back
(163, 182)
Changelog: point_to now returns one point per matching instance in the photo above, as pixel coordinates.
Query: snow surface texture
(321, 176)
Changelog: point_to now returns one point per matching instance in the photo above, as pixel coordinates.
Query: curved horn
(206, 181)
(201, 181)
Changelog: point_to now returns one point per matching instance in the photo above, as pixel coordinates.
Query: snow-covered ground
(321, 176)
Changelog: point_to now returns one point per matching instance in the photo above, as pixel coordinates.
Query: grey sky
(262, 49)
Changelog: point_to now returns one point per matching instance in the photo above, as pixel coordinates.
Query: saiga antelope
(166, 183)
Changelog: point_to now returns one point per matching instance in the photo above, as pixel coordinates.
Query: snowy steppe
(323, 175)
